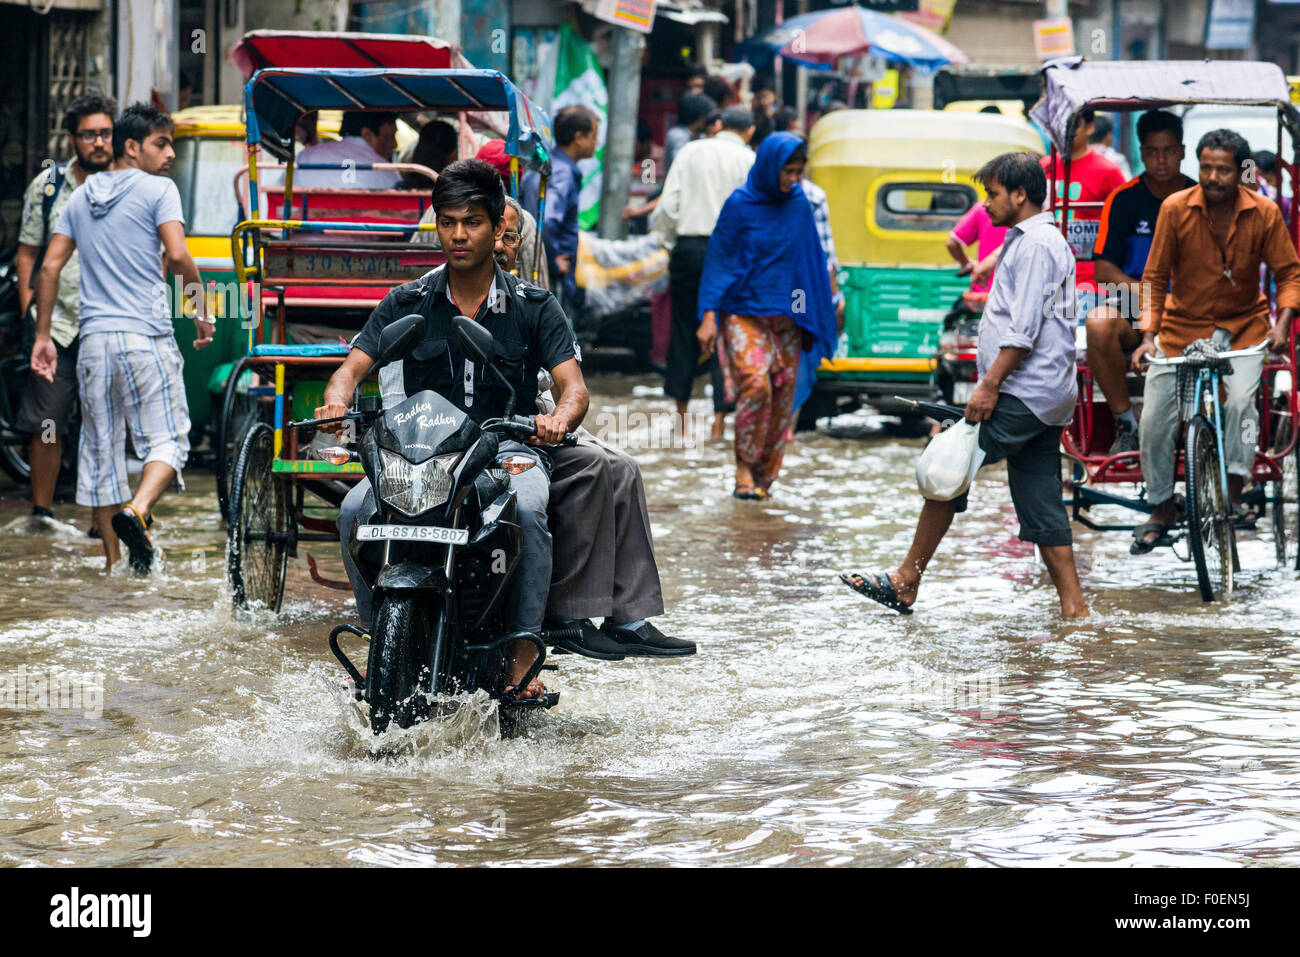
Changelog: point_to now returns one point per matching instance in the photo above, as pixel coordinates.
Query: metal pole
(801, 84)
(777, 85)
(620, 138)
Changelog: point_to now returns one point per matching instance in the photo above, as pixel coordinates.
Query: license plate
(413, 533)
(961, 392)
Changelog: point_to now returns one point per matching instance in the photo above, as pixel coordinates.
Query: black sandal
(1140, 544)
(879, 588)
(1245, 516)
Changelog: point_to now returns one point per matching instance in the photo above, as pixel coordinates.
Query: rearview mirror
(473, 341)
(398, 337)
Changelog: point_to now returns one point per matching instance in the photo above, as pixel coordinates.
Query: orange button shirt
(1192, 287)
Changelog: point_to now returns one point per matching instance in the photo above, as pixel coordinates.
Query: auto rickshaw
(210, 150)
(897, 182)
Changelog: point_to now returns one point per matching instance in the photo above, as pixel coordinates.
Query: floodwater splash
(461, 722)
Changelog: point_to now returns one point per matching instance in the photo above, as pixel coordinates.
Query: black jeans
(685, 267)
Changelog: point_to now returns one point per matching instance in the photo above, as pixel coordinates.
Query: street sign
(1054, 37)
(633, 14)
(1230, 25)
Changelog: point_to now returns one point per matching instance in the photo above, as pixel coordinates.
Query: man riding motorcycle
(530, 332)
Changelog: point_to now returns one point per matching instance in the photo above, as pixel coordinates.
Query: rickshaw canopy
(275, 99)
(261, 49)
(1072, 83)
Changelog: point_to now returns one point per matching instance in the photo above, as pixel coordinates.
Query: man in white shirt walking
(703, 175)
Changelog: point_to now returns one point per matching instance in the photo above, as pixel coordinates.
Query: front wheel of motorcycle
(394, 665)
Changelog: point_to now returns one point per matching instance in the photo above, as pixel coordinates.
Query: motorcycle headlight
(414, 489)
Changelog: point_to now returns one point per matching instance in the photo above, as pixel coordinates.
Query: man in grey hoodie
(129, 366)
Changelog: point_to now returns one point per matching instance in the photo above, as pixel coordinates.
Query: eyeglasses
(89, 136)
(509, 238)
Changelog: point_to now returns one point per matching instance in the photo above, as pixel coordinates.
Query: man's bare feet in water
(719, 427)
(522, 655)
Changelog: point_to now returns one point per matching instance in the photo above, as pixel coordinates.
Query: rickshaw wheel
(1279, 522)
(257, 542)
(1295, 473)
(1209, 526)
(239, 411)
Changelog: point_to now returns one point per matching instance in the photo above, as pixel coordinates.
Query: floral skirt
(760, 362)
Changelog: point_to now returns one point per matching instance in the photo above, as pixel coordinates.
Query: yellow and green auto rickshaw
(210, 153)
(897, 182)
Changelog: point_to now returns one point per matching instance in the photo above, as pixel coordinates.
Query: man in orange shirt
(1202, 281)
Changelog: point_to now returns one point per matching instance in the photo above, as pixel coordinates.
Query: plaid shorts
(128, 380)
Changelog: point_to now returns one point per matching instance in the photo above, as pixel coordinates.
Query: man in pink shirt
(976, 229)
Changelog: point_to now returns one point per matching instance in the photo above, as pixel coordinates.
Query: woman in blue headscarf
(765, 274)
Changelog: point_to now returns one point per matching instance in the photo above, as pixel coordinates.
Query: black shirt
(526, 322)
(1128, 223)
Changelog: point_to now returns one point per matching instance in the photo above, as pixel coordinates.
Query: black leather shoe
(648, 641)
(593, 643)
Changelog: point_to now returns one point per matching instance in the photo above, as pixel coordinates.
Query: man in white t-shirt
(129, 366)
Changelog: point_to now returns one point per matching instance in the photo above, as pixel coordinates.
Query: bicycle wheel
(239, 411)
(1278, 507)
(258, 540)
(13, 445)
(1209, 524)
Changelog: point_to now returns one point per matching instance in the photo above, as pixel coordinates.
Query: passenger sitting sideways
(605, 566)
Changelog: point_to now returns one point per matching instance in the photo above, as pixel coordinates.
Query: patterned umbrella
(819, 39)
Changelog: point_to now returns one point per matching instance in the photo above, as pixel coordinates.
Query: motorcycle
(15, 349)
(956, 375)
(443, 545)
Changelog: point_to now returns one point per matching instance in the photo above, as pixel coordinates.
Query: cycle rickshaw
(1070, 85)
(281, 496)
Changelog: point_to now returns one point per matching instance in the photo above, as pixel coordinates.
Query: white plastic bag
(949, 463)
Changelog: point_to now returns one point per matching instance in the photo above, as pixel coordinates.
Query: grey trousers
(532, 577)
(604, 561)
(1158, 428)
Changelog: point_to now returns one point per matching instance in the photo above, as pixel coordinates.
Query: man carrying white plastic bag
(949, 463)
(1025, 395)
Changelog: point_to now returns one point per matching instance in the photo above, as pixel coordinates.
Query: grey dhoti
(532, 576)
(1158, 430)
(603, 564)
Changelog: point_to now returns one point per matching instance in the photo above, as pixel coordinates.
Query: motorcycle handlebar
(521, 427)
(314, 423)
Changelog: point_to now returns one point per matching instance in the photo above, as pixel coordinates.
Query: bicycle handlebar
(1230, 354)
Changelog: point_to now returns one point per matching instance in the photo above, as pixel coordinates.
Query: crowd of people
(1148, 264)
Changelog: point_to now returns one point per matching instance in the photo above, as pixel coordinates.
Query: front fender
(409, 576)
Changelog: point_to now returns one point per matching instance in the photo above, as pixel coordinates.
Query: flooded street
(813, 727)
